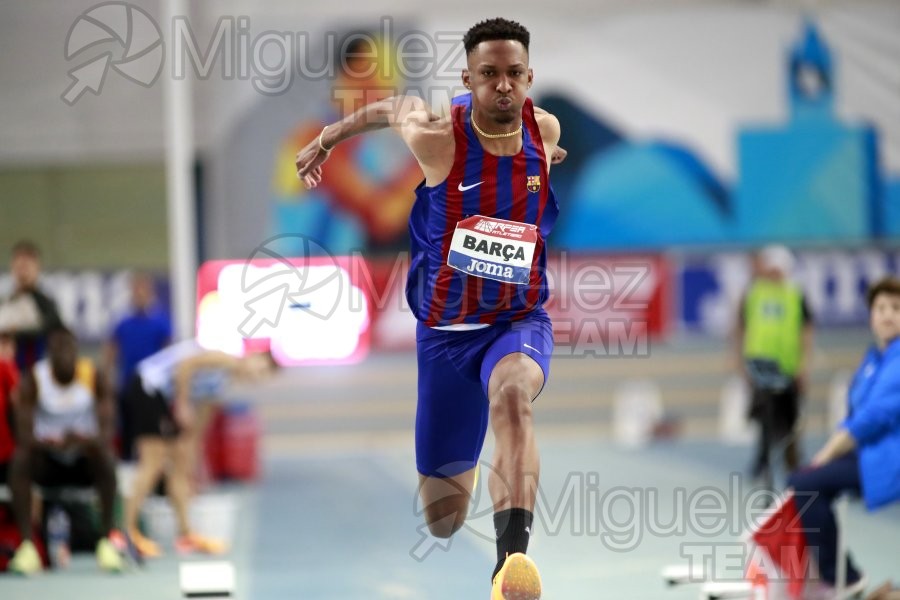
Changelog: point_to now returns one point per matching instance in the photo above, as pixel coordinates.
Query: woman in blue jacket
(863, 455)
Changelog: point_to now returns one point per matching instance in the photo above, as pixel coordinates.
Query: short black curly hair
(495, 29)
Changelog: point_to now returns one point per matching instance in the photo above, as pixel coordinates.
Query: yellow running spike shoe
(517, 580)
(108, 558)
(26, 560)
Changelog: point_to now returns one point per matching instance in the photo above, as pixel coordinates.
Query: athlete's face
(143, 293)
(499, 78)
(885, 318)
(62, 350)
(26, 269)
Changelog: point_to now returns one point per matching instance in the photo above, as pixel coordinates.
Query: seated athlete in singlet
(65, 424)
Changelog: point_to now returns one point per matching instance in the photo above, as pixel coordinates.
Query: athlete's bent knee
(511, 404)
(446, 517)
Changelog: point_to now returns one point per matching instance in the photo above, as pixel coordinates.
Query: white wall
(686, 69)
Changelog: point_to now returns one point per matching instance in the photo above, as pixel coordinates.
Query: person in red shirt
(9, 378)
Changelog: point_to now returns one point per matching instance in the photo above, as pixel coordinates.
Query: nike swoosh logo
(463, 188)
(533, 348)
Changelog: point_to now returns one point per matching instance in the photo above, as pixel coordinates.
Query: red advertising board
(308, 310)
(326, 310)
(592, 299)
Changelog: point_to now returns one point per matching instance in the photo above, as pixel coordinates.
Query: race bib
(493, 249)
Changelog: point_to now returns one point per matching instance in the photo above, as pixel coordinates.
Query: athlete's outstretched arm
(550, 132)
(398, 112)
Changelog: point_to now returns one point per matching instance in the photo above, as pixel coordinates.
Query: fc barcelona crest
(534, 183)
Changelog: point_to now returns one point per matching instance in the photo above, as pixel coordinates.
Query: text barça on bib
(493, 249)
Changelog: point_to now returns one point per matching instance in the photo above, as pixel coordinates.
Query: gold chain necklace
(495, 136)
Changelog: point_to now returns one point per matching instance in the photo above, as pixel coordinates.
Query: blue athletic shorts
(454, 370)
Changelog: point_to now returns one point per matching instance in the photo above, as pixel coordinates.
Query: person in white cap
(773, 343)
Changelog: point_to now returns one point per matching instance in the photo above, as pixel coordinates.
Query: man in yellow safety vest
(774, 341)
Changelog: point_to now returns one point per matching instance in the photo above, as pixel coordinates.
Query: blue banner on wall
(710, 287)
(91, 301)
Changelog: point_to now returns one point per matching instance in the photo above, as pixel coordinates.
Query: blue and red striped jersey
(477, 238)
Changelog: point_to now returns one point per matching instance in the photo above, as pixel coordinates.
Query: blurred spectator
(773, 343)
(170, 403)
(863, 455)
(28, 313)
(9, 378)
(64, 416)
(146, 330)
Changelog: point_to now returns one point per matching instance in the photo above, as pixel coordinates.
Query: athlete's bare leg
(513, 481)
(514, 383)
(152, 452)
(186, 450)
(446, 501)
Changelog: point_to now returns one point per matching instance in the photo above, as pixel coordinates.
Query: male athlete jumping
(476, 284)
